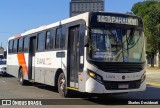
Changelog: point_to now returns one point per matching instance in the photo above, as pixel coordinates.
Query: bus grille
(113, 85)
(120, 67)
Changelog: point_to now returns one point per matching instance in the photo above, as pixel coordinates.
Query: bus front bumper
(92, 86)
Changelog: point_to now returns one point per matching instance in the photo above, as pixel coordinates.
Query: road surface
(11, 89)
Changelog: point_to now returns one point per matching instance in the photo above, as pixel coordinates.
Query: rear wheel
(62, 86)
(21, 78)
(4, 74)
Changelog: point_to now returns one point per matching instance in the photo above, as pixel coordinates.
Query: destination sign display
(118, 20)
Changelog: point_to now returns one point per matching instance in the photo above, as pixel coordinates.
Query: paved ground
(10, 89)
(153, 77)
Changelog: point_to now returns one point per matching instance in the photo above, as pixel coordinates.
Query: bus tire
(21, 79)
(62, 87)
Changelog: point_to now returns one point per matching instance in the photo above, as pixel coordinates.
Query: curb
(153, 84)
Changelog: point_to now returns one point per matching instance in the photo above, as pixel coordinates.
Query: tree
(150, 12)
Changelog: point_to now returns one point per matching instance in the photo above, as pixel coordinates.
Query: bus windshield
(117, 45)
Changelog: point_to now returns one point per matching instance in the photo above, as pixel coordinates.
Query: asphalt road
(11, 89)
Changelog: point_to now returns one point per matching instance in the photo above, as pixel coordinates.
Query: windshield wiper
(130, 38)
(130, 42)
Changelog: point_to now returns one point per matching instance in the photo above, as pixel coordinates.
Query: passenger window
(57, 38)
(20, 45)
(49, 40)
(10, 46)
(41, 42)
(15, 46)
(60, 38)
(26, 44)
(63, 38)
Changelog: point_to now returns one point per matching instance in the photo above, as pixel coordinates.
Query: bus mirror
(86, 39)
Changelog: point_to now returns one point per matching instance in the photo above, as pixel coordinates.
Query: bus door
(73, 56)
(32, 50)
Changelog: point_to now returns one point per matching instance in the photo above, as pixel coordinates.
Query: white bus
(94, 52)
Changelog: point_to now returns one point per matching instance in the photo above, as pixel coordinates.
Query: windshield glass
(116, 45)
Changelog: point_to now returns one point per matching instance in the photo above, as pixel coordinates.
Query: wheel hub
(21, 79)
(62, 84)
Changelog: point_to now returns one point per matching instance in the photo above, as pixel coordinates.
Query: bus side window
(41, 42)
(26, 44)
(15, 46)
(49, 40)
(57, 38)
(62, 37)
(10, 46)
(20, 45)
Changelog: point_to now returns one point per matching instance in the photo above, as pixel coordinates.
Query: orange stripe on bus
(22, 62)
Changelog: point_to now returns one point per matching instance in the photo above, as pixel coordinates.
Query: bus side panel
(12, 65)
(46, 65)
(15, 61)
(23, 63)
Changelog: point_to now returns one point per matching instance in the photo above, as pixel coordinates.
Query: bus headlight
(95, 76)
(143, 77)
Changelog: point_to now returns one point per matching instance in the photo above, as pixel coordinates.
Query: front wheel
(62, 86)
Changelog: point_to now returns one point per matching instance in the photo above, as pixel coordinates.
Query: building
(81, 6)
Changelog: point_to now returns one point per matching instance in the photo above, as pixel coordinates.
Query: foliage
(150, 12)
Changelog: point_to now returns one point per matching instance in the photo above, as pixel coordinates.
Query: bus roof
(45, 27)
(71, 19)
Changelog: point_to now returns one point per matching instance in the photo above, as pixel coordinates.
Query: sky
(17, 16)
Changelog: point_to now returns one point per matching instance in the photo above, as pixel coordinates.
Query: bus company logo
(111, 76)
(44, 61)
(123, 77)
(6, 102)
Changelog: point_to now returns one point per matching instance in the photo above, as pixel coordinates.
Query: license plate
(123, 86)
